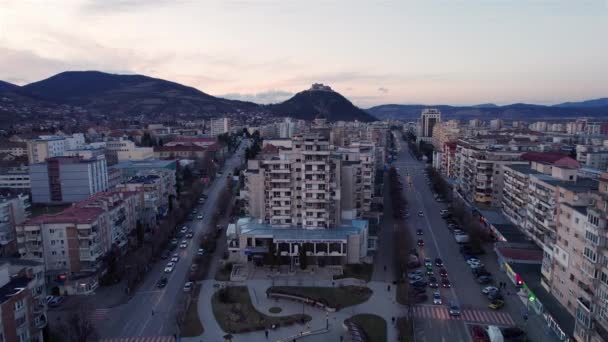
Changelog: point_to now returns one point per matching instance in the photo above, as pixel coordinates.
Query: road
(151, 311)
(432, 322)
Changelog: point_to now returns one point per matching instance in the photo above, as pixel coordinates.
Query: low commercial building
(124, 149)
(255, 242)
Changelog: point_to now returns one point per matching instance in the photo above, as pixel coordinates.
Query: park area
(333, 297)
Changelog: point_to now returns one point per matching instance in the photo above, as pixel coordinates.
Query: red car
(420, 242)
(443, 272)
(478, 334)
(445, 283)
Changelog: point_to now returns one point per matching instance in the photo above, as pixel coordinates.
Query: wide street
(151, 311)
(432, 323)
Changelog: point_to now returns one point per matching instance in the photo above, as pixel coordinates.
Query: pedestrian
(152, 312)
(388, 288)
(266, 333)
(393, 319)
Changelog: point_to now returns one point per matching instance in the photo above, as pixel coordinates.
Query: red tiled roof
(195, 139)
(554, 158)
(70, 215)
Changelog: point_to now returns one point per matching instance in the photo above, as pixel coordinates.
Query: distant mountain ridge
(516, 111)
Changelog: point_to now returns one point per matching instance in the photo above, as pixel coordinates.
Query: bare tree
(79, 327)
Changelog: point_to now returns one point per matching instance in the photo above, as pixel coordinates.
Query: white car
(184, 244)
(421, 213)
(473, 261)
(188, 286)
(169, 268)
(199, 217)
(489, 289)
(437, 298)
(200, 252)
(175, 259)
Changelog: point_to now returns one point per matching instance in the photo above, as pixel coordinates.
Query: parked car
(164, 255)
(486, 290)
(200, 252)
(415, 273)
(184, 244)
(169, 268)
(420, 283)
(495, 295)
(454, 309)
(496, 304)
(437, 298)
(162, 282)
(55, 301)
(479, 334)
(175, 259)
(512, 332)
(415, 279)
(484, 279)
(188, 286)
(199, 217)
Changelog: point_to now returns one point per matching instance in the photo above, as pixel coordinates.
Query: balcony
(40, 321)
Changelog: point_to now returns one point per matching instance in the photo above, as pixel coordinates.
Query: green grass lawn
(374, 326)
(358, 271)
(335, 297)
(235, 313)
(192, 326)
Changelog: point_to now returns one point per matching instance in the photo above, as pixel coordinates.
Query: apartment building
(73, 242)
(68, 179)
(445, 132)
(124, 149)
(14, 176)
(49, 146)
(296, 187)
(22, 300)
(428, 119)
(479, 170)
(157, 187)
(184, 151)
(14, 210)
(219, 126)
(16, 149)
(358, 171)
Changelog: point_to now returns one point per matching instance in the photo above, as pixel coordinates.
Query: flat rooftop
(250, 226)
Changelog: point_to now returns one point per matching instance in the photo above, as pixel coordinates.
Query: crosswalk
(99, 314)
(477, 316)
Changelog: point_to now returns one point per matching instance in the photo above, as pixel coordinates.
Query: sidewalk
(381, 303)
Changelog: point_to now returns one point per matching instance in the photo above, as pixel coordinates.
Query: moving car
(184, 244)
(433, 283)
(199, 217)
(445, 283)
(200, 252)
(443, 272)
(169, 268)
(428, 263)
(420, 213)
(419, 232)
(162, 282)
(438, 262)
(496, 304)
(437, 298)
(175, 259)
(420, 242)
(454, 309)
(188, 286)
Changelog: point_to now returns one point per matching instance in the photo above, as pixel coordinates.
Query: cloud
(266, 97)
(383, 90)
(105, 6)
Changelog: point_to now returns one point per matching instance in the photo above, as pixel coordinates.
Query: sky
(373, 52)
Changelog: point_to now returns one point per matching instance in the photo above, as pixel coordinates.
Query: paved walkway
(381, 303)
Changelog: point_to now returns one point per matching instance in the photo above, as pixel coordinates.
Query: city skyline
(373, 54)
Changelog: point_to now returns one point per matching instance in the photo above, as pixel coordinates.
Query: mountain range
(129, 95)
(133, 95)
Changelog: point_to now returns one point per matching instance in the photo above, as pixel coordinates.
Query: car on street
(480, 271)
(184, 244)
(437, 298)
(420, 242)
(445, 283)
(472, 260)
(486, 290)
(512, 332)
(200, 252)
(495, 295)
(419, 232)
(164, 255)
(438, 262)
(189, 235)
(479, 334)
(174, 241)
(199, 217)
(420, 213)
(415, 279)
(194, 210)
(484, 279)
(420, 283)
(162, 282)
(443, 272)
(428, 263)
(433, 282)
(169, 268)
(188, 286)
(193, 268)
(453, 226)
(496, 304)
(55, 301)
(454, 309)
(416, 273)
(175, 259)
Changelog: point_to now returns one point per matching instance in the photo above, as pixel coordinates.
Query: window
(591, 237)
(18, 305)
(590, 254)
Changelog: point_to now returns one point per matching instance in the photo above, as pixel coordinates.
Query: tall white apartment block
(219, 126)
(428, 119)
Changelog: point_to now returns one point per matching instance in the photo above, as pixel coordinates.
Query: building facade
(428, 119)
